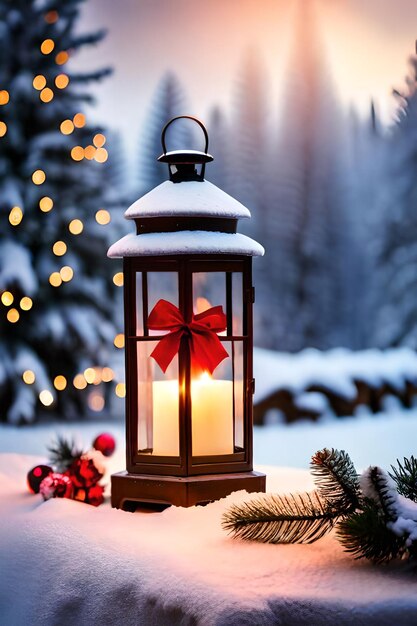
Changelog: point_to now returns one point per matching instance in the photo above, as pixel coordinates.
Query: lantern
(188, 341)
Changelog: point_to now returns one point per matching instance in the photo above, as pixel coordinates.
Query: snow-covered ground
(377, 439)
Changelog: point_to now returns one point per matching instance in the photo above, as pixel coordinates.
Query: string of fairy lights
(15, 307)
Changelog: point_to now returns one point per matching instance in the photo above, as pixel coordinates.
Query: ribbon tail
(166, 349)
(207, 351)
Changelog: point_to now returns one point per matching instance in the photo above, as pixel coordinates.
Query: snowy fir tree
(219, 146)
(57, 290)
(168, 102)
(308, 235)
(397, 323)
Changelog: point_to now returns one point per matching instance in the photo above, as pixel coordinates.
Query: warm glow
(99, 140)
(15, 216)
(39, 82)
(46, 204)
(89, 375)
(77, 153)
(55, 279)
(107, 374)
(60, 382)
(61, 81)
(202, 304)
(4, 96)
(118, 279)
(61, 58)
(3, 129)
(29, 377)
(59, 248)
(38, 177)
(79, 120)
(7, 298)
(119, 340)
(103, 217)
(26, 303)
(46, 397)
(76, 227)
(120, 390)
(46, 95)
(66, 127)
(79, 382)
(101, 155)
(13, 315)
(89, 152)
(51, 17)
(96, 401)
(66, 273)
(47, 46)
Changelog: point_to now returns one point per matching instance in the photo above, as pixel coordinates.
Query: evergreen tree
(219, 171)
(56, 317)
(309, 238)
(168, 102)
(397, 323)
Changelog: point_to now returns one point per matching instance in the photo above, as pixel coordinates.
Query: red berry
(105, 443)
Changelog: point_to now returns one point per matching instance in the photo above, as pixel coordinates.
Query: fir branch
(300, 518)
(336, 479)
(62, 453)
(405, 478)
(376, 485)
(365, 535)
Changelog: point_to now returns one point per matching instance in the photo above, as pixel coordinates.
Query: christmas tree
(57, 290)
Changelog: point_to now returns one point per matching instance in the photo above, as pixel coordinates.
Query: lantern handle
(187, 117)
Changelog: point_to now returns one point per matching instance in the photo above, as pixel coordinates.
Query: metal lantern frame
(186, 479)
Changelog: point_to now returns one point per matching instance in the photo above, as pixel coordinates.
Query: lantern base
(131, 490)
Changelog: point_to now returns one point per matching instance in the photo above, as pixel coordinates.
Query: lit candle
(212, 417)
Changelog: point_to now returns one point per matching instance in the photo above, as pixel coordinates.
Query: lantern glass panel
(237, 350)
(158, 404)
(209, 289)
(161, 285)
(139, 305)
(237, 303)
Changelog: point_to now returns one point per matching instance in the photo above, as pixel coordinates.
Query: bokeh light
(66, 127)
(46, 95)
(118, 279)
(7, 298)
(79, 382)
(77, 153)
(79, 120)
(103, 217)
(60, 382)
(13, 316)
(15, 216)
(101, 155)
(39, 82)
(61, 58)
(46, 397)
(38, 177)
(99, 140)
(3, 128)
(26, 303)
(107, 374)
(120, 390)
(61, 81)
(55, 279)
(76, 227)
(51, 17)
(47, 46)
(89, 375)
(59, 248)
(89, 152)
(46, 204)
(66, 273)
(119, 340)
(28, 377)
(4, 96)
(96, 401)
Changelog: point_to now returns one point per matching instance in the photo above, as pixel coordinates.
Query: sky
(366, 42)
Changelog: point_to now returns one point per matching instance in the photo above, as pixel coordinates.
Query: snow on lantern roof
(185, 242)
(187, 198)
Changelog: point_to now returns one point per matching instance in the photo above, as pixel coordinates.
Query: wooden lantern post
(188, 329)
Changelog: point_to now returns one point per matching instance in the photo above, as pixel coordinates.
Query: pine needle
(336, 479)
(62, 453)
(300, 518)
(405, 477)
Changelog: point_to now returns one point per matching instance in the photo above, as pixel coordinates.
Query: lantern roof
(186, 214)
(187, 198)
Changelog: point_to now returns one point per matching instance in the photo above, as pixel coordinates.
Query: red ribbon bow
(205, 347)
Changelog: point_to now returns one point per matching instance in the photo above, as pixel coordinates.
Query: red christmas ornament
(56, 486)
(105, 443)
(36, 476)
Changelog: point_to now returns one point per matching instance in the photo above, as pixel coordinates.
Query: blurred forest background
(305, 129)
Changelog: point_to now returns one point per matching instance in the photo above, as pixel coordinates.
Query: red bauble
(56, 486)
(36, 476)
(84, 473)
(92, 495)
(105, 443)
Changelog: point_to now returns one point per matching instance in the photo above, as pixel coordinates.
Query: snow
(16, 268)
(192, 198)
(65, 562)
(185, 242)
(335, 369)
